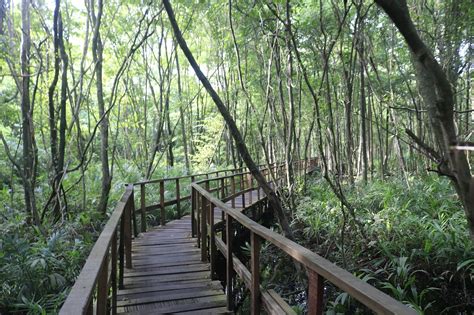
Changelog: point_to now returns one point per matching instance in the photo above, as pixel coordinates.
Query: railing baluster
(315, 293)
(212, 242)
(193, 207)
(122, 251)
(203, 229)
(232, 187)
(198, 218)
(255, 244)
(143, 207)
(102, 287)
(249, 181)
(113, 280)
(162, 203)
(229, 263)
(222, 188)
(128, 232)
(223, 195)
(178, 199)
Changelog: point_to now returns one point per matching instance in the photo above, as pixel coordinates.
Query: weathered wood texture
(168, 275)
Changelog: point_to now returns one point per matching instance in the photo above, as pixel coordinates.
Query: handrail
(96, 274)
(318, 268)
(103, 271)
(143, 208)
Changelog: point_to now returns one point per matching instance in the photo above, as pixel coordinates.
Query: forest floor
(415, 245)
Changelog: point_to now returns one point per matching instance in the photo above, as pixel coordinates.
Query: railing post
(203, 229)
(232, 187)
(127, 233)
(223, 194)
(198, 218)
(178, 199)
(229, 263)
(122, 251)
(222, 188)
(212, 242)
(193, 207)
(162, 203)
(143, 207)
(249, 182)
(315, 293)
(255, 244)
(102, 287)
(113, 275)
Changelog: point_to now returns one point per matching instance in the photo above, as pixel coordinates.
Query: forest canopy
(95, 95)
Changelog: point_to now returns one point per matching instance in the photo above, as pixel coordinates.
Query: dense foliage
(97, 94)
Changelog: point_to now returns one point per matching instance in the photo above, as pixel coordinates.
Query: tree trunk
(29, 160)
(241, 147)
(437, 94)
(97, 51)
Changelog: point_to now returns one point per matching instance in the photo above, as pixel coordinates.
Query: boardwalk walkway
(162, 270)
(168, 275)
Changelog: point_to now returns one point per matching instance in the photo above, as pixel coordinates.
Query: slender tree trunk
(363, 115)
(29, 160)
(183, 122)
(97, 53)
(240, 144)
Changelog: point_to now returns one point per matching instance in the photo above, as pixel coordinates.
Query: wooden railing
(106, 263)
(212, 193)
(95, 290)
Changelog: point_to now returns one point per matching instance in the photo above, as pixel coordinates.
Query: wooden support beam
(103, 288)
(203, 228)
(229, 265)
(255, 244)
(178, 199)
(162, 203)
(143, 206)
(315, 293)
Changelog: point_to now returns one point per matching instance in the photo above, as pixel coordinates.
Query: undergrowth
(37, 269)
(416, 246)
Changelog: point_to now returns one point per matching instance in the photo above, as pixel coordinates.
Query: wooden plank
(135, 281)
(167, 270)
(202, 304)
(183, 285)
(167, 296)
(215, 310)
(158, 252)
(184, 260)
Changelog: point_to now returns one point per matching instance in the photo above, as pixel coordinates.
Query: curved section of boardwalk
(168, 275)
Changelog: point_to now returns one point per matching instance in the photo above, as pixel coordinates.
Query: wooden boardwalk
(168, 275)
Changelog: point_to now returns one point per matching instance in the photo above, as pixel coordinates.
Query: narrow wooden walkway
(168, 275)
